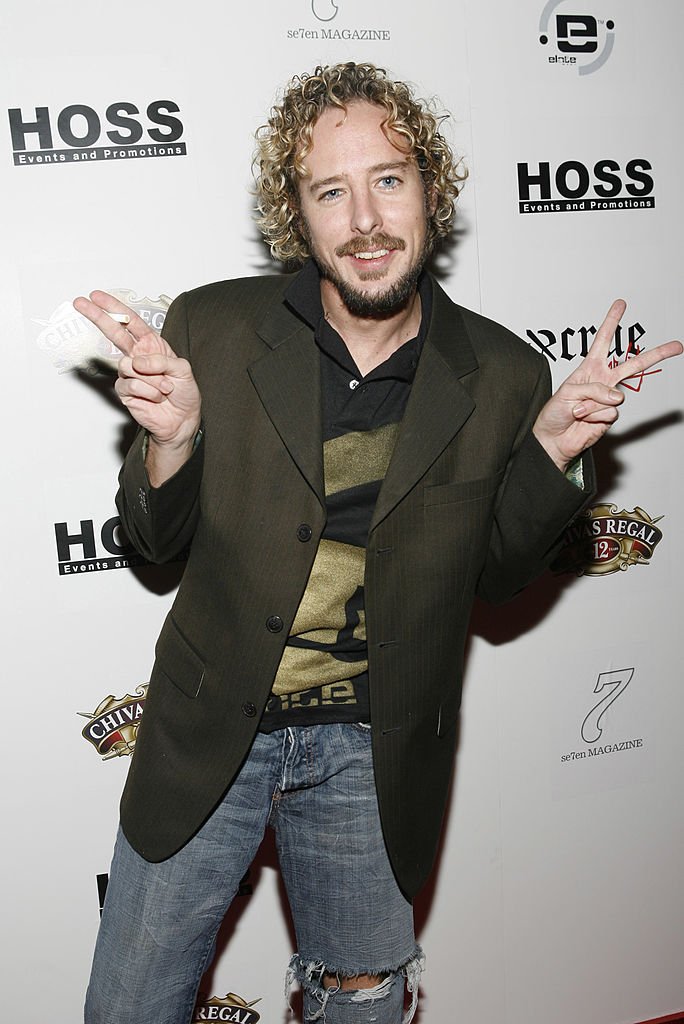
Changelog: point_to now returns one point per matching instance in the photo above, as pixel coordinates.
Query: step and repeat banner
(125, 156)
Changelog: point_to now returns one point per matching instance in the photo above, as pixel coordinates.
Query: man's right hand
(158, 389)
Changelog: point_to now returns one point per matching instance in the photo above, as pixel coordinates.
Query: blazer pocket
(178, 661)
(462, 490)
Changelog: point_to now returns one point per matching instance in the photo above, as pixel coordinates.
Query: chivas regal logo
(113, 727)
(603, 540)
(231, 1008)
(72, 342)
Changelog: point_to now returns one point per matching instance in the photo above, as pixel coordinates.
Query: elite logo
(113, 726)
(79, 132)
(230, 1008)
(573, 186)
(582, 41)
(603, 540)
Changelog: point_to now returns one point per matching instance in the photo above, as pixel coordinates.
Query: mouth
(373, 247)
(375, 254)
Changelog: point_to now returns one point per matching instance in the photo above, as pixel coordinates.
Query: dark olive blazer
(470, 504)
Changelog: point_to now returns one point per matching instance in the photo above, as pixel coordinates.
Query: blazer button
(248, 709)
(304, 532)
(274, 624)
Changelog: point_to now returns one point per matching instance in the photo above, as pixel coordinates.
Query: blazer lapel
(438, 407)
(287, 380)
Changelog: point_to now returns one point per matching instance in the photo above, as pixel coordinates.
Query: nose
(365, 214)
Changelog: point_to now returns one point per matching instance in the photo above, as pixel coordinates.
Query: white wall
(559, 891)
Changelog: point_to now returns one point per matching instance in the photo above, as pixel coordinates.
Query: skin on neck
(370, 340)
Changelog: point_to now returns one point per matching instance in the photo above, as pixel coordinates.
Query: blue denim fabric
(315, 786)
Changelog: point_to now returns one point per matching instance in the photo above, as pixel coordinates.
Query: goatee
(373, 304)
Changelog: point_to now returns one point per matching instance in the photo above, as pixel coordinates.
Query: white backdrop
(558, 895)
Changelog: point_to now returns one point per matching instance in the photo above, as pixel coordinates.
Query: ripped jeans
(314, 785)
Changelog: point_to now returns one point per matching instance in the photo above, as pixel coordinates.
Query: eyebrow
(375, 169)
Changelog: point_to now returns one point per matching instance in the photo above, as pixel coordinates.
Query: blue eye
(332, 193)
(389, 181)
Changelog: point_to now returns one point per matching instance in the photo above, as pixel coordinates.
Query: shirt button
(304, 532)
(248, 709)
(274, 623)
(353, 383)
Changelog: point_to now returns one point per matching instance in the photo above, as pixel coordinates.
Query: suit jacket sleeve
(535, 504)
(161, 521)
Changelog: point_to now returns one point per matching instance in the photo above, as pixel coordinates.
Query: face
(363, 211)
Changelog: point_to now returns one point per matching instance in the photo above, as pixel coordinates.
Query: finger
(97, 309)
(158, 363)
(637, 364)
(98, 314)
(600, 346)
(133, 388)
(591, 393)
(592, 413)
(135, 326)
(129, 368)
(160, 381)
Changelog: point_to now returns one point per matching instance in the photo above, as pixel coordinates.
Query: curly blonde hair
(284, 142)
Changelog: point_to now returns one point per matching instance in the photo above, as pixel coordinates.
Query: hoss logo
(120, 553)
(576, 186)
(123, 129)
(80, 549)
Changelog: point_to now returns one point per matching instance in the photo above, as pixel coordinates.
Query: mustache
(378, 241)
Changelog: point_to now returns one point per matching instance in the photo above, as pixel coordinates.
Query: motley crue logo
(113, 726)
(603, 540)
(230, 1008)
(570, 343)
(72, 342)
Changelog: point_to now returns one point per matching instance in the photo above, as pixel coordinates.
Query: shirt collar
(303, 295)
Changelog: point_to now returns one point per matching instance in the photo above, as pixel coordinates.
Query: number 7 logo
(618, 681)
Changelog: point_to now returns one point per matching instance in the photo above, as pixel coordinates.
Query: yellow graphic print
(330, 617)
(358, 458)
(336, 575)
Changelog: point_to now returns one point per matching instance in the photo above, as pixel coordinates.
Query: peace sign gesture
(586, 405)
(158, 389)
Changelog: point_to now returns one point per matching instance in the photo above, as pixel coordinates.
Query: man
(351, 458)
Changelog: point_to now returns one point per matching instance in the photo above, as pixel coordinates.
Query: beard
(380, 304)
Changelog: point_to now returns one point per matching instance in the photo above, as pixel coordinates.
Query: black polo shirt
(323, 675)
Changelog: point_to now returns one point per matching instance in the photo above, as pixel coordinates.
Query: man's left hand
(586, 404)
